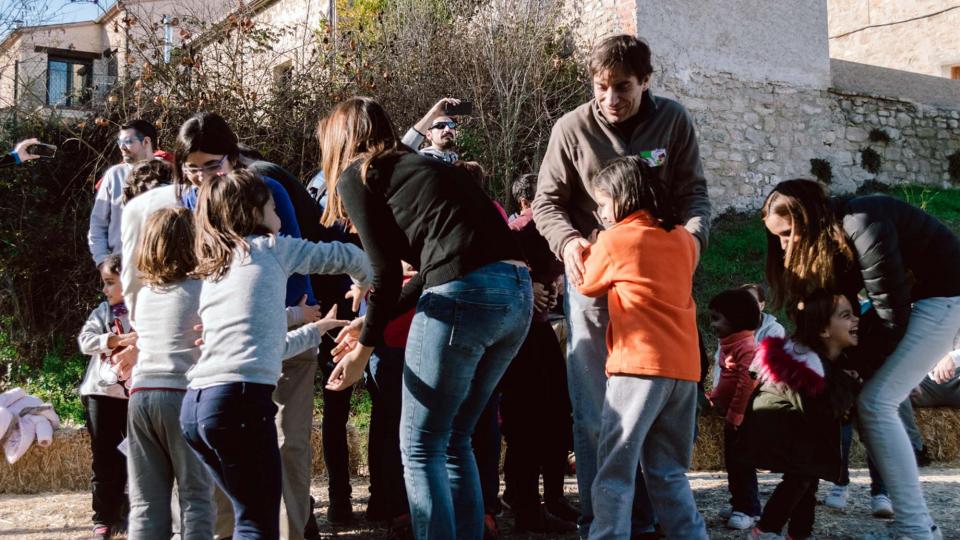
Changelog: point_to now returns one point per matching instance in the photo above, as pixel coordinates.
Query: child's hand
(310, 313)
(730, 362)
(124, 361)
(121, 340)
(944, 370)
(329, 322)
(357, 293)
(347, 339)
(541, 298)
(199, 341)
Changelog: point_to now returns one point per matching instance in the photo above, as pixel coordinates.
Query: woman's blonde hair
(165, 254)
(356, 129)
(229, 208)
(821, 251)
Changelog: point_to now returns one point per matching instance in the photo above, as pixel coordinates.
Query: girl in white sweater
(228, 413)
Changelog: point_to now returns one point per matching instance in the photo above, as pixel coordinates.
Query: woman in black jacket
(473, 299)
(908, 263)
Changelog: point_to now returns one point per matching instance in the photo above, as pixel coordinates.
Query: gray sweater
(244, 328)
(93, 342)
(165, 335)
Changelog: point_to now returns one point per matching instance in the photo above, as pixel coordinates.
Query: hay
(356, 448)
(708, 451)
(941, 432)
(64, 465)
(940, 427)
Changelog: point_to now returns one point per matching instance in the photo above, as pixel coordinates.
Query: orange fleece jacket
(647, 274)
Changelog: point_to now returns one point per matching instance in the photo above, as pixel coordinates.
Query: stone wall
(755, 134)
(929, 45)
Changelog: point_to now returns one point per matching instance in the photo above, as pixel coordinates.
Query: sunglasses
(128, 141)
(212, 168)
(448, 124)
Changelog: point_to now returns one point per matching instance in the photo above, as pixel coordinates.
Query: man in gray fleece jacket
(624, 118)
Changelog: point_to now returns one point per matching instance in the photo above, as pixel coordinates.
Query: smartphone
(42, 150)
(461, 109)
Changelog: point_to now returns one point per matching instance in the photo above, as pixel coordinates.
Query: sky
(32, 12)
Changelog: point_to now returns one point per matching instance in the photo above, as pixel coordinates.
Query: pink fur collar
(787, 363)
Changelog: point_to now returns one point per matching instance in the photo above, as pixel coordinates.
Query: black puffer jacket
(904, 255)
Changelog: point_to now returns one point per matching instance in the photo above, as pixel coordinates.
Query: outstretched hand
(329, 321)
(357, 293)
(350, 356)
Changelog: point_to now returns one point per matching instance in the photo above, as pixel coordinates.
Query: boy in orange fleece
(644, 262)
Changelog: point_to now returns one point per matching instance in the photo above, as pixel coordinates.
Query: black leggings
(793, 500)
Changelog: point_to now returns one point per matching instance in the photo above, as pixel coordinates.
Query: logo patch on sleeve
(654, 158)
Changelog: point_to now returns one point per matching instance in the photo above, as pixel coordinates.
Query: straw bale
(356, 448)
(708, 450)
(941, 432)
(64, 465)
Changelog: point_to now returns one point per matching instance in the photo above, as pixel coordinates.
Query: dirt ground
(62, 516)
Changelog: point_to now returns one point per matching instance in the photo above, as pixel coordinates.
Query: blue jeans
(463, 336)
(933, 324)
(384, 381)
(231, 427)
(587, 383)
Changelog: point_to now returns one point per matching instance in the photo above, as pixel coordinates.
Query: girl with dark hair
(908, 262)
(734, 315)
(793, 424)
(472, 293)
(228, 414)
(653, 362)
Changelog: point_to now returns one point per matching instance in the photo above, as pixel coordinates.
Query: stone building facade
(919, 36)
(767, 98)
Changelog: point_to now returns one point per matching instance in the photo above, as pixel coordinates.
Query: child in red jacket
(734, 314)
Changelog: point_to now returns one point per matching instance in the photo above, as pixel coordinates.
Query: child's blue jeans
(232, 428)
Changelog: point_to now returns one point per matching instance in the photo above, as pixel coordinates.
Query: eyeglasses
(447, 124)
(204, 169)
(128, 141)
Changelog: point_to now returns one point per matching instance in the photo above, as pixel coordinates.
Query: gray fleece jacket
(583, 141)
(244, 327)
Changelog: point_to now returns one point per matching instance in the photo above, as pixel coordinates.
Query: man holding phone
(439, 129)
(26, 150)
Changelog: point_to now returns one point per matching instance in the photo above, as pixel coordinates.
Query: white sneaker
(881, 506)
(740, 521)
(837, 498)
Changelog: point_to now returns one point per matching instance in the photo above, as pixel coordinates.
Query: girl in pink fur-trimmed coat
(793, 422)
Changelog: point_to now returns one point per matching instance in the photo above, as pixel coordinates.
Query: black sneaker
(563, 509)
(401, 528)
(312, 530)
(923, 457)
(340, 512)
(538, 520)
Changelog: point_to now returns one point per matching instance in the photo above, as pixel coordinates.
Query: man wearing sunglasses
(438, 129)
(137, 142)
